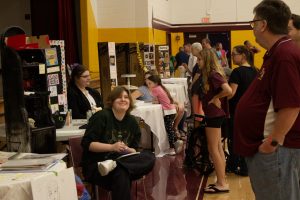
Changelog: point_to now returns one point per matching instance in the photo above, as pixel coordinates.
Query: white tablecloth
(56, 183)
(62, 134)
(181, 81)
(152, 114)
(177, 91)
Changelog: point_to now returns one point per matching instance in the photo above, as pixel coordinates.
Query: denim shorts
(275, 176)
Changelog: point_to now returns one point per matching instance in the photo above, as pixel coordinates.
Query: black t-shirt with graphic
(105, 128)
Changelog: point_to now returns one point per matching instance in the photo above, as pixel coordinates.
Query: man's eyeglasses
(253, 22)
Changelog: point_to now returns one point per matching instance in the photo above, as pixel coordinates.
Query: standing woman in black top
(82, 98)
(240, 79)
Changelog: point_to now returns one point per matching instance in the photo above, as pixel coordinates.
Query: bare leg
(213, 136)
(180, 112)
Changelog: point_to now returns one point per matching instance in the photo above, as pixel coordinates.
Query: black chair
(43, 140)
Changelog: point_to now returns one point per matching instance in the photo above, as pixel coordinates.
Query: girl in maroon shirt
(214, 88)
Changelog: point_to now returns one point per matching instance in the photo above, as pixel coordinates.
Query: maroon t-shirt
(215, 81)
(276, 86)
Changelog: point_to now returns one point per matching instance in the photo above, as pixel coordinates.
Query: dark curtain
(67, 29)
(58, 19)
(44, 18)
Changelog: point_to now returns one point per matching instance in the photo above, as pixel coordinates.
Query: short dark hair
(246, 42)
(276, 13)
(206, 40)
(77, 71)
(296, 21)
(116, 93)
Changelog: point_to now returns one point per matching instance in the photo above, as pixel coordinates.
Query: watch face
(274, 143)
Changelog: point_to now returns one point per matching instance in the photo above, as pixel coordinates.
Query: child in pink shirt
(163, 97)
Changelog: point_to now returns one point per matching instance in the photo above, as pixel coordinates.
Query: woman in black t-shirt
(240, 79)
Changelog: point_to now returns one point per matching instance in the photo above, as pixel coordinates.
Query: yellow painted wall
(175, 44)
(238, 38)
(89, 36)
(132, 35)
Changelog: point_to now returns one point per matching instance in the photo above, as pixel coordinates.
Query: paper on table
(62, 186)
(56, 156)
(129, 154)
(28, 163)
(138, 102)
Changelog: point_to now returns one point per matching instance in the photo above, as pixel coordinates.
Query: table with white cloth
(62, 134)
(177, 92)
(180, 81)
(152, 114)
(57, 182)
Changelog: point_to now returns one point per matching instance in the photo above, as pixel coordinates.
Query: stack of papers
(23, 164)
(31, 162)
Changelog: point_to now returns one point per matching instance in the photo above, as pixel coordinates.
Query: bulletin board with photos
(163, 60)
(149, 56)
(56, 76)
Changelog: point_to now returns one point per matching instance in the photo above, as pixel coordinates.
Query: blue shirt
(146, 94)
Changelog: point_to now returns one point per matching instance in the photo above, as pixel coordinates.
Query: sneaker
(106, 166)
(178, 145)
(170, 152)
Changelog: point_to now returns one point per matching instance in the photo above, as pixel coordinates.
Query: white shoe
(178, 145)
(170, 152)
(106, 166)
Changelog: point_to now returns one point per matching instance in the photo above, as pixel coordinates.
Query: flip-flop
(214, 190)
(212, 184)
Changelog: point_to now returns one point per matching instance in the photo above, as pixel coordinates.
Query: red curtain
(67, 29)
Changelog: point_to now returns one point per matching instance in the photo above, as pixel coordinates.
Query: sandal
(212, 189)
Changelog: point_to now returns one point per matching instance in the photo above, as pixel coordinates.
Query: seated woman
(111, 133)
(82, 98)
(143, 93)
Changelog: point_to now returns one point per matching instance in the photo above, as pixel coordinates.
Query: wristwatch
(274, 143)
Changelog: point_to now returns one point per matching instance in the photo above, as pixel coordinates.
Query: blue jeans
(275, 176)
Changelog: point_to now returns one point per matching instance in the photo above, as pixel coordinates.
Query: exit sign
(205, 20)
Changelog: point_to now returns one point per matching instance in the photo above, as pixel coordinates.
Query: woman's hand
(155, 100)
(96, 109)
(119, 147)
(216, 102)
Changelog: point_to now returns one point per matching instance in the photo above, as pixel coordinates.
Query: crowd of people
(260, 107)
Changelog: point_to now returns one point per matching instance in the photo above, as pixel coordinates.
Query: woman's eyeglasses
(85, 76)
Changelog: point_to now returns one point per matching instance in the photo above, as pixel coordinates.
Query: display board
(56, 76)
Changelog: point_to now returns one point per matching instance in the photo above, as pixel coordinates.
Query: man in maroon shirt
(267, 125)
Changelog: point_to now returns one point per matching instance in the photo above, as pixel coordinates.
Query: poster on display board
(112, 64)
(149, 56)
(56, 77)
(163, 66)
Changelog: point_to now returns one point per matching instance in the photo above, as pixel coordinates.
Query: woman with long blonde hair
(215, 89)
